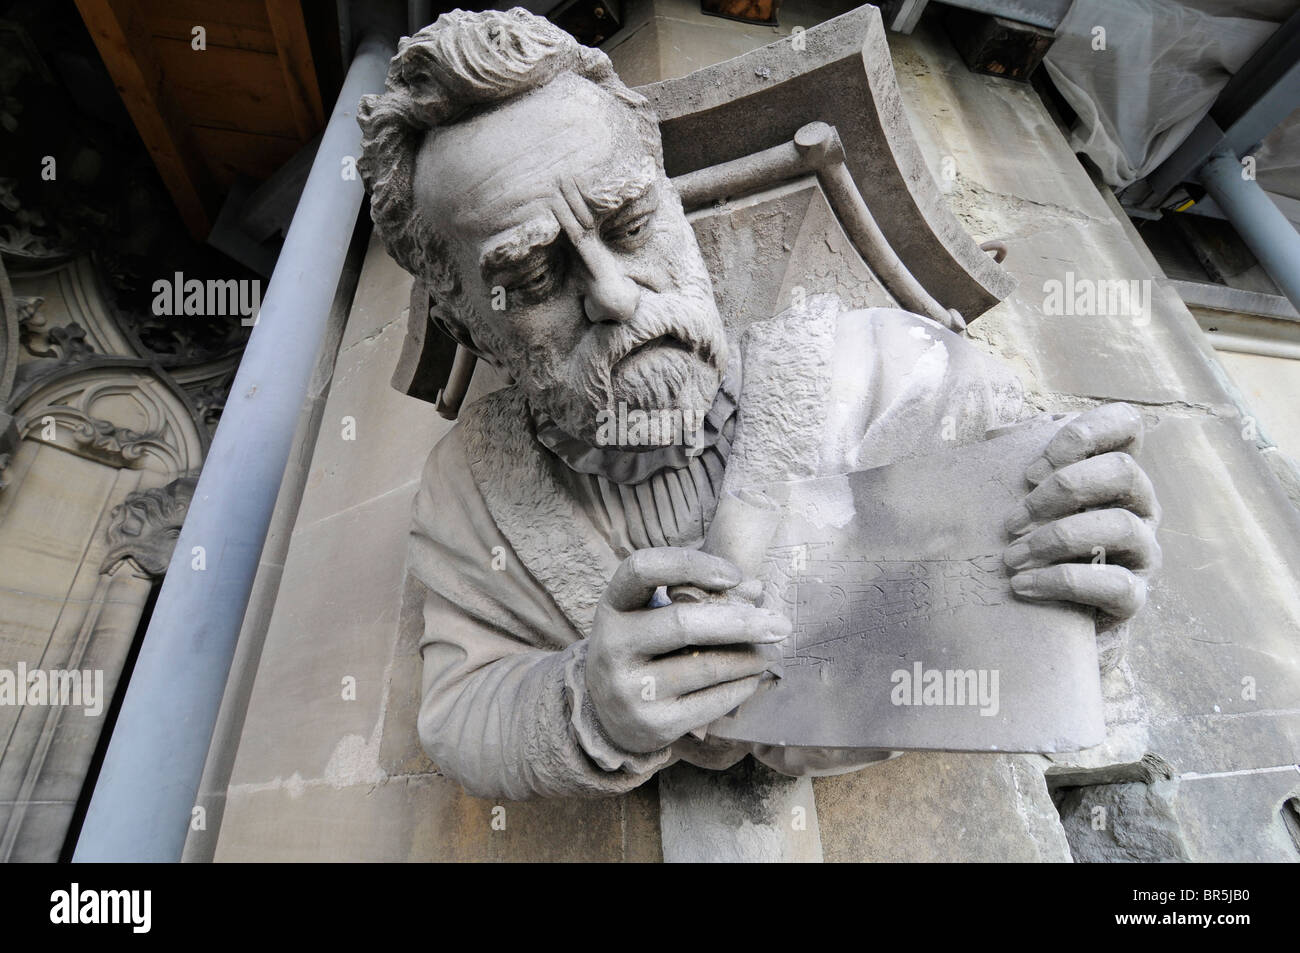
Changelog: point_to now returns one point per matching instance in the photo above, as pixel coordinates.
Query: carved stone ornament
(751, 266)
(26, 233)
(53, 347)
(112, 440)
(146, 524)
(116, 411)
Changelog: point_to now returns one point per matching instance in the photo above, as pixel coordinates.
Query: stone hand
(1086, 532)
(655, 674)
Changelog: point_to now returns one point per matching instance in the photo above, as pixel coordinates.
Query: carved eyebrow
(612, 193)
(516, 244)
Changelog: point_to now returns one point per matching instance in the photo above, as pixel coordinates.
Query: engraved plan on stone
(834, 600)
(906, 633)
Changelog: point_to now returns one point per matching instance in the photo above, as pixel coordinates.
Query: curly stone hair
(461, 64)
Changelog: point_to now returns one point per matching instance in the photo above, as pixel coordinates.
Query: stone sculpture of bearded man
(514, 174)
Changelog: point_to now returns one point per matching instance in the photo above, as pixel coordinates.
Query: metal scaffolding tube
(142, 806)
(1260, 223)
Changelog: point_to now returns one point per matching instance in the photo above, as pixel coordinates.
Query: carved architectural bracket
(146, 524)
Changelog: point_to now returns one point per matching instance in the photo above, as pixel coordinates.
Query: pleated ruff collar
(629, 467)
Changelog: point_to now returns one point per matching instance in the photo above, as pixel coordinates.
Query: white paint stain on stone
(826, 502)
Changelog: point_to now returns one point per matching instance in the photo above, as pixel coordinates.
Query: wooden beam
(124, 45)
(294, 50)
(226, 88)
(241, 24)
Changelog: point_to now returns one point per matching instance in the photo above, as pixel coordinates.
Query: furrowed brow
(609, 193)
(515, 244)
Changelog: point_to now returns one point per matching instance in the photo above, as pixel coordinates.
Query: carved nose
(610, 294)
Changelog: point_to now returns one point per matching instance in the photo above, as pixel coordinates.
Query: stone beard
(669, 357)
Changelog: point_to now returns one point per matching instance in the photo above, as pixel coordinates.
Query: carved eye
(631, 233)
(540, 282)
(535, 279)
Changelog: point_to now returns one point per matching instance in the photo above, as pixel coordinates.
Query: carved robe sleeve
(502, 707)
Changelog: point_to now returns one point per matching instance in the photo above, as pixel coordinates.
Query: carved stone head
(514, 173)
(145, 525)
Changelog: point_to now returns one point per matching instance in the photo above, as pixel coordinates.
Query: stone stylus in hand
(741, 530)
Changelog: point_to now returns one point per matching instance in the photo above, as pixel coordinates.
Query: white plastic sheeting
(1142, 86)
